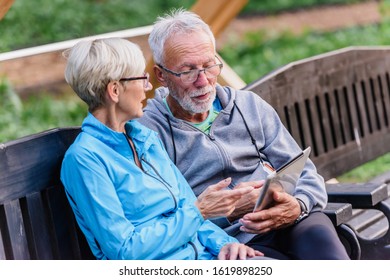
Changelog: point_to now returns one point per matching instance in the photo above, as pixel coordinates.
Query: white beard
(192, 107)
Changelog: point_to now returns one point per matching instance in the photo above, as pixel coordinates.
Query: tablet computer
(284, 179)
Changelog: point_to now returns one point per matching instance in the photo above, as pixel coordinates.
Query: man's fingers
(221, 184)
(254, 184)
(241, 191)
(236, 192)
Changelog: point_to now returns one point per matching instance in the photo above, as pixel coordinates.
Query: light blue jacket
(129, 213)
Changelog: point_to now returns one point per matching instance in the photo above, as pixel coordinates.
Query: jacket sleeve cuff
(306, 201)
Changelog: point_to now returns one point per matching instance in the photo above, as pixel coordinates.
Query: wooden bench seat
(369, 224)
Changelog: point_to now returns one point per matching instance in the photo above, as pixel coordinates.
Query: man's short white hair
(176, 22)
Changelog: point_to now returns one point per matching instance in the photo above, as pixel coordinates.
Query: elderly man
(213, 132)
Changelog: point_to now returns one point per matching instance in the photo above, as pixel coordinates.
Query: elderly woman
(129, 199)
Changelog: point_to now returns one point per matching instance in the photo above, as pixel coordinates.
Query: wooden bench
(36, 221)
(339, 104)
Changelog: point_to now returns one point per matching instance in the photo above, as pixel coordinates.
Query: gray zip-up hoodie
(245, 128)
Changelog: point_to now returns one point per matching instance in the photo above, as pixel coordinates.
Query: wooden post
(217, 14)
(4, 7)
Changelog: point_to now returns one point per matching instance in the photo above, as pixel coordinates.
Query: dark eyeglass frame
(179, 74)
(145, 77)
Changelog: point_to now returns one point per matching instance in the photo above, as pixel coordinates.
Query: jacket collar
(142, 137)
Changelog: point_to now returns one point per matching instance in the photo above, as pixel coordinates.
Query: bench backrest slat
(38, 225)
(66, 239)
(338, 103)
(15, 240)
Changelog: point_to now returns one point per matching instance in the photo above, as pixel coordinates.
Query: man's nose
(202, 78)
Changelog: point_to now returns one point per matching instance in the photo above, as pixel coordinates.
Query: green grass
(368, 170)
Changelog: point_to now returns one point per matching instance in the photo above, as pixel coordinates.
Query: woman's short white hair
(91, 65)
(176, 22)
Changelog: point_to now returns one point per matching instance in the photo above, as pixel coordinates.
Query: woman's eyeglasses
(145, 77)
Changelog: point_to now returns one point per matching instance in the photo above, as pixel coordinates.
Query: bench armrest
(360, 195)
(338, 213)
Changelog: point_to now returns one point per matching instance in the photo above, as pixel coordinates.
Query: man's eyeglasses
(145, 77)
(191, 76)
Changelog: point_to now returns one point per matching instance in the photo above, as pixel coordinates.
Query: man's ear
(112, 91)
(159, 75)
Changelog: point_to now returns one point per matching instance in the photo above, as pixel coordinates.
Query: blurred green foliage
(258, 53)
(368, 170)
(37, 113)
(277, 6)
(31, 23)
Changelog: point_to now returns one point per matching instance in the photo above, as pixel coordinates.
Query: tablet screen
(284, 179)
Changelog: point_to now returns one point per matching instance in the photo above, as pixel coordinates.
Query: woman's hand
(237, 251)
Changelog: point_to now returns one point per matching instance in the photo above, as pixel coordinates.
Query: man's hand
(217, 201)
(237, 251)
(285, 211)
(248, 201)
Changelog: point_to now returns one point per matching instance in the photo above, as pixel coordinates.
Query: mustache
(201, 91)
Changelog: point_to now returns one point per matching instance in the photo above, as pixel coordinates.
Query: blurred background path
(325, 18)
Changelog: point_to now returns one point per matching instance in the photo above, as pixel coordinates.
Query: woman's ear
(113, 91)
(159, 75)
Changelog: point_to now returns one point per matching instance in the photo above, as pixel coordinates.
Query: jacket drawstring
(172, 137)
(249, 132)
(246, 126)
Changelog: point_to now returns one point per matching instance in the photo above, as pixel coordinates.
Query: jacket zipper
(226, 161)
(160, 179)
(165, 183)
